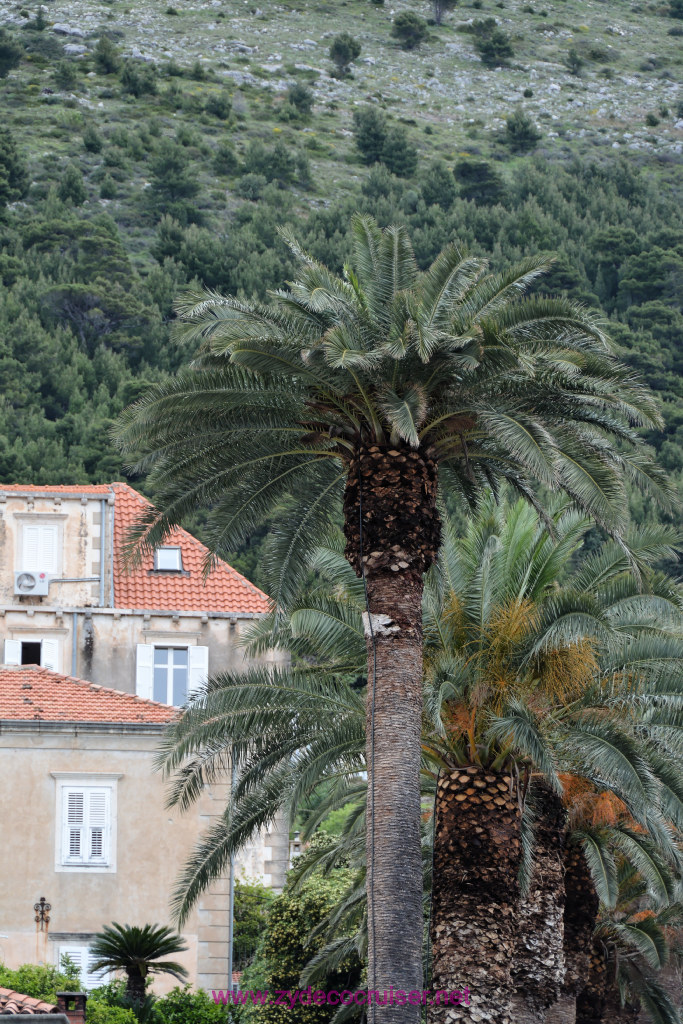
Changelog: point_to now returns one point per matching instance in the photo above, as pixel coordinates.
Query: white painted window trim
(50, 648)
(77, 780)
(144, 687)
(168, 547)
(55, 519)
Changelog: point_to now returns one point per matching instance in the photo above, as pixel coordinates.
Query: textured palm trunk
(591, 1003)
(135, 986)
(580, 916)
(396, 490)
(475, 901)
(538, 970)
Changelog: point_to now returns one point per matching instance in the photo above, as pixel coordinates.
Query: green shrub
(398, 154)
(108, 188)
(138, 78)
(40, 981)
(438, 185)
(219, 105)
(225, 159)
(92, 140)
(574, 62)
(479, 181)
(520, 132)
(251, 186)
(676, 9)
(651, 120)
(100, 1012)
(410, 29)
(370, 132)
(71, 188)
(528, 93)
(185, 1006)
(493, 45)
(14, 179)
(106, 55)
(65, 75)
(300, 97)
(11, 52)
(344, 49)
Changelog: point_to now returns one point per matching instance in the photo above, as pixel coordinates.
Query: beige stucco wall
(151, 844)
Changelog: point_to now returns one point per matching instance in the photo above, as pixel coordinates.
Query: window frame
(168, 547)
(170, 671)
(67, 782)
(40, 519)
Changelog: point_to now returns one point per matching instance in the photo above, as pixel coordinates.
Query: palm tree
(138, 952)
(366, 393)
(534, 679)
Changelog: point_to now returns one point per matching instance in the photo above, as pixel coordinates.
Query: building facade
(77, 761)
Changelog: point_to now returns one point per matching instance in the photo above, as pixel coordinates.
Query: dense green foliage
(40, 981)
(180, 179)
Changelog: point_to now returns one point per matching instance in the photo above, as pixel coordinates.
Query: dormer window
(168, 560)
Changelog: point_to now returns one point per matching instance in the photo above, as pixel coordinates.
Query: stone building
(96, 658)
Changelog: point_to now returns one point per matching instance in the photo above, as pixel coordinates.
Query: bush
(11, 52)
(172, 179)
(92, 140)
(520, 131)
(14, 180)
(301, 97)
(651, 120)
(219, 105)
(183, 1006)
(106, 55)
(676, 9)
(528, 93)
(479, 181)
(438, 186)
(275, 163)
(493, 45)
(71, 187)
(398, 154)
(574, 62)
(65, 75)
(370, 129)
(100, 1012)
(138, 78)
(225, 159)
(108, 187)
(41, 981)
(251, 186)
(344, 49)
(410, 29)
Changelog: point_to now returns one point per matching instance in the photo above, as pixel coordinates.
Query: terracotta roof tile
(225, 590)
(29, 692)
(14, 1003)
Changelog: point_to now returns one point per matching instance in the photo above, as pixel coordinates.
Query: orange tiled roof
(14, 1003)
(225, 589)
(29, 692)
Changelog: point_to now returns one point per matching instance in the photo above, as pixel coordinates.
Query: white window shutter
(77, 954)
(73, 826)
(93, 979)
(48, 549)
(12, 652)
(198, 669)
(49, 654)
(144, 671)
(98, 825)
(30, 555)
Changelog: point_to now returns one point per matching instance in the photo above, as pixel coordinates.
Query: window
(40, 547)
(86, 815)
(83, 959)
(85, 833)
(33, 652)
(168, 560)
(170, 674)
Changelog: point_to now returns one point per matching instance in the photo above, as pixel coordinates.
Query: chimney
(72, 1005)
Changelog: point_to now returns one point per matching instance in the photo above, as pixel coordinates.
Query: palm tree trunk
(475, 901)
(538, 970)
(393, 492)
(580, 916)
(135, 986)
(591, 1003)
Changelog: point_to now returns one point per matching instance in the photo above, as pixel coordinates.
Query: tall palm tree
(138, 952)
(366, 393)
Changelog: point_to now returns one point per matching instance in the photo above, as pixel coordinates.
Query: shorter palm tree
(138, 952)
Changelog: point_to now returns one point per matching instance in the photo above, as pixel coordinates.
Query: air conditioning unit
(31, 584)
